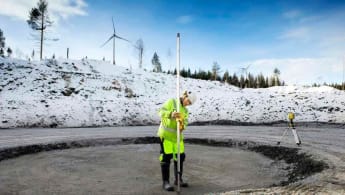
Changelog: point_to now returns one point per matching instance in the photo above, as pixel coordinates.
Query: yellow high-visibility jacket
(168, 126)
(291, 116)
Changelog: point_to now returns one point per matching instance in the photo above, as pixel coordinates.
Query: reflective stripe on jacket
(168, 126)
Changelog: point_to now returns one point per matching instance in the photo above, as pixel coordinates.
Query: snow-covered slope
(71, 93)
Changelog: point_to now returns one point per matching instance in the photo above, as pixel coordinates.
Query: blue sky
(304, 39)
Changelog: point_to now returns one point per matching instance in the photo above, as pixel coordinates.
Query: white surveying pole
(178, 109)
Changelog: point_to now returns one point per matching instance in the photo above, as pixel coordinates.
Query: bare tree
(33, 54)
(140, 46)
(215, 70)
(169, 56)
(39, 20)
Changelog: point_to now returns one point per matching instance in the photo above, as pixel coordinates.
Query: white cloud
(291, 14)
(296, 33)
(302, 70)
(19, 9)
(185, 19)
(66, 8)
(309, 19)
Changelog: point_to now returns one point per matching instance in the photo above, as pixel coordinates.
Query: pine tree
(195, 75)
(189, 74)
(242, 82)
(2, 53)
(2, 44)
(276, 74)
(39, 21)
(230, 79)
(267, 84)
(234, 80)
(157, 67)
(226, 77)
(250, 81)
(255, 84)
(183, 72)
(261, 81)
(210, 75)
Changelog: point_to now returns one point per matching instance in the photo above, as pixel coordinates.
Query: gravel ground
(134, 169)
(322, 143)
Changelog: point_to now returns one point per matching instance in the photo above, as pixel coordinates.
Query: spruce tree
(9, 52)
(250, 81)
(210, 75)
(157, 67)
(189, 74)
(234, 80)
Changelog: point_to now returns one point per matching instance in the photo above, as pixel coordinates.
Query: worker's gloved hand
(176, 115)
(181, 127)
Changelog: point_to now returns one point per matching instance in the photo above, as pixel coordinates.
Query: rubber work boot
(165, 176)
(182, 184)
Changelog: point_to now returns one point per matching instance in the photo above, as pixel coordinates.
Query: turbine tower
(114, 36)
(244, 70)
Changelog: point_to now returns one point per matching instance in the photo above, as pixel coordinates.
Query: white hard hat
(191, 96)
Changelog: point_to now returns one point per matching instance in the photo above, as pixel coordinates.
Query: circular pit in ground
(212, 175)
(135, 169)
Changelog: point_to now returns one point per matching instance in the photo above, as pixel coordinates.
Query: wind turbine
(114, 36)
(245, 70)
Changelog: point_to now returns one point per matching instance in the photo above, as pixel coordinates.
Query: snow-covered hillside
(71, 93)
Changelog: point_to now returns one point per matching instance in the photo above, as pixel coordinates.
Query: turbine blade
(121, 38)
(112, 19)
(108, 40)
(135, 46)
